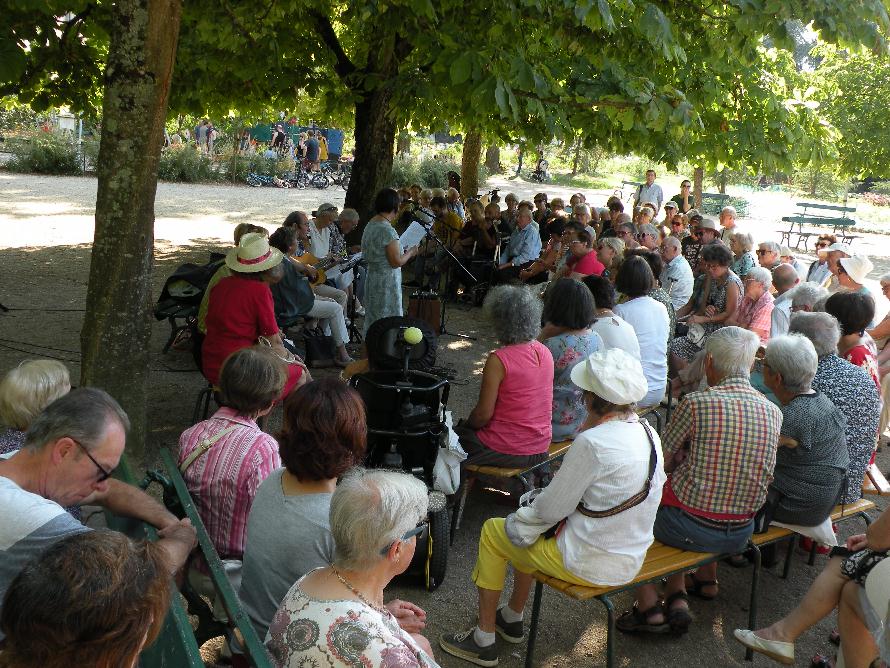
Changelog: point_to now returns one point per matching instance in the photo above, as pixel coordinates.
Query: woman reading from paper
(382, 251)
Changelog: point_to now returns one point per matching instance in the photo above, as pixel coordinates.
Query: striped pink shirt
(224, 480)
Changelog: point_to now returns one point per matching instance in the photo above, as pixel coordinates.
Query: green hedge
(45, 154)
(428, 172)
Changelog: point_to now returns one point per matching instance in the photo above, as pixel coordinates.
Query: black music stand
(442, 328)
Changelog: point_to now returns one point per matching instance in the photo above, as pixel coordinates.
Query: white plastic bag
(446, 472)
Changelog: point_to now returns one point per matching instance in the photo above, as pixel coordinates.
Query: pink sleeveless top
(521, 424)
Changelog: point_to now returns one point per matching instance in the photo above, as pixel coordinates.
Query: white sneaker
(777, 650)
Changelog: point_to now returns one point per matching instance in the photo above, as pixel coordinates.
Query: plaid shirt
(757, 314)
(732, 432)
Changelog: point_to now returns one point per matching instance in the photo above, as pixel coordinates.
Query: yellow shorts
(496, 550)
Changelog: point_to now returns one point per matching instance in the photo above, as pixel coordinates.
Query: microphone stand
(442, 329)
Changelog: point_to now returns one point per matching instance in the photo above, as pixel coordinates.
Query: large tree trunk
(115, 336)
(403, 143)
(698, 177)
(375, 134)
(493, 159)
(469, 164)
(577, 156)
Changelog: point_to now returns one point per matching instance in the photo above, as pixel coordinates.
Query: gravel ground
(45, 233)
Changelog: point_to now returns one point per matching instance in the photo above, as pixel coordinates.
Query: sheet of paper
(413, 235)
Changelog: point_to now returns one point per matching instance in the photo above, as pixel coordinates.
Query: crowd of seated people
(779, 423)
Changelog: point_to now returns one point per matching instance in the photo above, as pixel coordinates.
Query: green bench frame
(178, 644)
(839, 224)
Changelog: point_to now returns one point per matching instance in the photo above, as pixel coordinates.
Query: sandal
(679, 619)
(699, 585)
(821, 661)
(635, 620)
(835, 638)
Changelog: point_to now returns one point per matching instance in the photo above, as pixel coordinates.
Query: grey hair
(794, 358)
(614, 243)
(770, 246)
(807, 295)
(648, 210)
(370, 510)
(581, 208)
(761, 275)
(822, 329)
(83, 415)
(629, 226)
(622, 219)
(426, 193)
(515, 313)
(730, 210)
(29, 388)
(349, 214)
(438, 192)
(673, 242)
(885, 278)
(745, 239)
(650, 229)
(732, 350)
(819, 306)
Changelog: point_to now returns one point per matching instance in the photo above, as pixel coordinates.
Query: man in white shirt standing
(649, 192)
(784, 279)
(676, 277)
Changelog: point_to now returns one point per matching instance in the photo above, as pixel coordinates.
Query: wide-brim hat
(707, 224)
(253, 254)
(613, 375)
(840, 248)
(857, 267)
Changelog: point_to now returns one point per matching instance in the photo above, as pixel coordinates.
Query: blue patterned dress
(383, 285)
(568, 402)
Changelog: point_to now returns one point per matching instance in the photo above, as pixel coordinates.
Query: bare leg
(857, 643)
(821, 598)
(677, 582)
(707, 573)
(488, 607)
(522, 584)
(647, 597)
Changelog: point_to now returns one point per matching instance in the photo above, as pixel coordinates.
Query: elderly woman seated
(24, 392)
(854, 311)
(610, 253)
(224, 459)
(742, 245)
(241, 310)
(812, 459)
(568, 312)
(582, 258)
(335, 615)
(839, 585)
(510, 424)
(756, 310)
(849, 388)
(604, 499)
(94, 599)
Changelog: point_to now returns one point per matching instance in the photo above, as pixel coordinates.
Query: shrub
(90, 151)
(235, 168)
(185, 164)
(712, 207)
(46, 154)
(877, 199)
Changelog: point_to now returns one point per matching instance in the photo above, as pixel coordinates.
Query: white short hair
(770, 246)
(745, 239)
(673, 242)
(822, 329)
(370, 510)
(349, 214)
(649, 211)
(794, 358)
(438, 192)
(730, 210)
(807, 295)
(761, 275)
(29, 388)
(581, 208)
(884, 279)
(732, 350)
(650, 229)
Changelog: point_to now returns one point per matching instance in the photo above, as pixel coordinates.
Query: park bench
(663, 561)
(875, 482)
(818, 215)
(178, 644)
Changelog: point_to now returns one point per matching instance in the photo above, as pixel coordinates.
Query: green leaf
(626, 118)
(461, 68)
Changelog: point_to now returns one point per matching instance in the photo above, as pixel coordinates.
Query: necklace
(355, 591)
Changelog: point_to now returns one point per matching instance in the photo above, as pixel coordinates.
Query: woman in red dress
(241, 310)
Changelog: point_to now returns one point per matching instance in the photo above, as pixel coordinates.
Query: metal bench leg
(533, 625)
(788, 554)
(752, 605)
(468, 483)
(812, 558)
(610, 631)
(865, 518)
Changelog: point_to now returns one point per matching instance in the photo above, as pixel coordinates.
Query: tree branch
(239, 27)
(617, 104)
(343, 66)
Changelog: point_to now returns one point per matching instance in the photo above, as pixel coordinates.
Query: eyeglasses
(760, 251)
(822, 244)
(408, 535)
(623, 233)
(104, 474)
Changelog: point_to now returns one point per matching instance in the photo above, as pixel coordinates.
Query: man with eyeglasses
(768, 255)
(71, 451)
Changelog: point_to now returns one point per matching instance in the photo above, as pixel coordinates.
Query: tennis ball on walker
(413, 335)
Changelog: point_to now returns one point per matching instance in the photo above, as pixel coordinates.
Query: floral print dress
(568, 403)
(312, 633)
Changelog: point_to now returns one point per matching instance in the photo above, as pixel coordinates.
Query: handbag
(319, 347)
(696, 334)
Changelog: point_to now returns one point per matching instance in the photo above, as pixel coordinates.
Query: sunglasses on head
(411, 533)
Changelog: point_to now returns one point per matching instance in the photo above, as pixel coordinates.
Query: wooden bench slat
(556, 449)
(875, 482)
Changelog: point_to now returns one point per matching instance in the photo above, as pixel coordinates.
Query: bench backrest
(826, 207)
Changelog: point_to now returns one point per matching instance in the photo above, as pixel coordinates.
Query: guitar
(320, 265)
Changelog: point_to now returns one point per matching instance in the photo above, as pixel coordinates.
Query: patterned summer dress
(312, 633)
(383, 285)
(685, 348)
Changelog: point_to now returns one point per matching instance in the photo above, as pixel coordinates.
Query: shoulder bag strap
(204, 446)
(637, 498)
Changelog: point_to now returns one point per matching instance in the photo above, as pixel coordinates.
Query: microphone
(423, 215)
